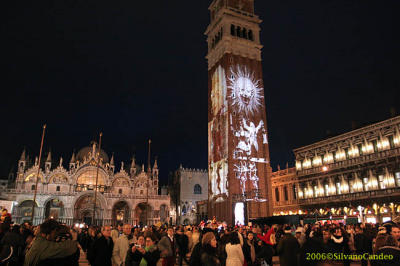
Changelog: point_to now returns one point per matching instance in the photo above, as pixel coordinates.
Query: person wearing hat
(288, 248)
(300, 236)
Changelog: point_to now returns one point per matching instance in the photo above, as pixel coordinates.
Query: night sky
(137, 70)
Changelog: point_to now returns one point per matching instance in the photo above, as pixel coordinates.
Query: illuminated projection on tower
(246, 99)
(218, 130)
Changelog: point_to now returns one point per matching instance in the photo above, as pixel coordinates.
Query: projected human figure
(252, 132)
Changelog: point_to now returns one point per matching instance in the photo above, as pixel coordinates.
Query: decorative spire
(133, 164)
(48, 157)
(155, 164)
(122, 166)
(22, 155)
(73, 158)
(142, 168)
(61, 162)
(112, 159)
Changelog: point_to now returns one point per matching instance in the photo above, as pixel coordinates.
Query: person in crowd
(61, 234)
(249, 249)
(360, 243)
(148, 255)
(6, 252)
(43, 248)
(182, 242)
(396, 232)
(390, 247)
(100, 253)
(4, 229)
(209, 250)
(288, 248)
(121, 246)
(117, 232)
(5, 216)
(234, 250)
(167, 247)
(326, 235)
(339, 243)
(14, 239)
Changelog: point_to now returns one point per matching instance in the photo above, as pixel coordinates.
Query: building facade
(129, 195)
(193, 188)
(355, 175)
(238, 153)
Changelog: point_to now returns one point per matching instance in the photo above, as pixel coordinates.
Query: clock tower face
(238, 154)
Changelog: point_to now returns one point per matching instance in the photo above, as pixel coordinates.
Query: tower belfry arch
(238, 152)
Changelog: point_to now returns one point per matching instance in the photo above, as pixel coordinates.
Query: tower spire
(23, 155)
(48, 157)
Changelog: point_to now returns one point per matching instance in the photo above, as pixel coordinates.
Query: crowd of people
(207, 244)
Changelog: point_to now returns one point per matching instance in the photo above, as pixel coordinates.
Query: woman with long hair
(234, 251)
(249, 249)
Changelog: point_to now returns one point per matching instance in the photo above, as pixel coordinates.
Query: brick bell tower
(238, 153)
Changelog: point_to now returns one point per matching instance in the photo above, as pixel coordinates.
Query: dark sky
(136, 70)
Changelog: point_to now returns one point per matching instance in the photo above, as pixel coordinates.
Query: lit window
(381, 182)
(398, 178)
(89, 178)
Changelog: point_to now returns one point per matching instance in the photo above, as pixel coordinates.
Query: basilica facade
(128, 195)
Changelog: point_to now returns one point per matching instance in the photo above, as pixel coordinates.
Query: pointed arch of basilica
(121, 213)
(84, 208)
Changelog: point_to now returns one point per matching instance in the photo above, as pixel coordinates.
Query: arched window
(58, 188)
(33, 187)
(238, 32)
(183, 210)
(233, 30)
(197, 189)
(285, 193)
(250, 35)
(120, 191)
(244, 33)
(277, 194)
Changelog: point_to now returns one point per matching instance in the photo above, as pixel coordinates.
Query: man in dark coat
(360, 243)
(288, 248)
(101, 251)
(182, 242)
(15, 239)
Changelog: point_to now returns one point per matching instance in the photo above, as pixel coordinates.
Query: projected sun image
(246, 91)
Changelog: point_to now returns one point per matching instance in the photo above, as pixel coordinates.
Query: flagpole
(97, 180)
(38, 172)
(148, 177)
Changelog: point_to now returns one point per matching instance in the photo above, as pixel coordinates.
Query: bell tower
(238, 153)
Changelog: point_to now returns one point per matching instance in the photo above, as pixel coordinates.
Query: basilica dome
(87, 151)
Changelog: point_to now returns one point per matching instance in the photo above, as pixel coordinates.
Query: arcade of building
(354, 176)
